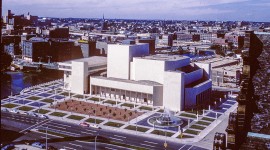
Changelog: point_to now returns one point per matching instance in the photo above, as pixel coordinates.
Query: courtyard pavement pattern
(49, 99)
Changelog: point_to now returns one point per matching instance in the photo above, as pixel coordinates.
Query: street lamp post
(96, 139)
(49, 59)
(39, 59)
(46, 138)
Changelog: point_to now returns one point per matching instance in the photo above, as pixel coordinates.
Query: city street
(76, 136)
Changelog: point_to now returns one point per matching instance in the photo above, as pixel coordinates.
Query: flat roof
(216, 62)
(92, 61)
(141, 82)
(164, 57)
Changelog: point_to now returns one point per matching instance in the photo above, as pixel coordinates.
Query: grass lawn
(58, 114)
(195, 112)
(75, 117)
(110, 102)
(114, 124)
(141, 129)
(208, 119)
(203, 123)
(92, 120)
(128, 105)
(197, 127)
(192, 132)
(145, 108)
(10, 105)
(79, 96)
(48, 100)
(96, 99)
(34, 98)
(25, 108)
(184, 136)
(159, 132)
(187, 115)
(42, 111)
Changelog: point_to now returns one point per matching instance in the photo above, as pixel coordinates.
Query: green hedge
(192, 132)
(42, 111)
(203, 123)
(141, 129)
(75, 117)
(114, 124)
(10, 105)
(92, 120)
(59, 114)
(25, 108)
(188, 115)
(160, 132)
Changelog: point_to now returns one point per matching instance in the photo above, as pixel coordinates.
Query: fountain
(166, 119)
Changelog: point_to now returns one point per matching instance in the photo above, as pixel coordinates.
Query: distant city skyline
(220, 10)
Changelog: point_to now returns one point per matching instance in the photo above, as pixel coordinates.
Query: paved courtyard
(50, 99)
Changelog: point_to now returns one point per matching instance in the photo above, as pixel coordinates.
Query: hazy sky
(250, 10)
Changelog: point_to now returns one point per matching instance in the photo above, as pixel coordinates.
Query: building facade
(169, 81)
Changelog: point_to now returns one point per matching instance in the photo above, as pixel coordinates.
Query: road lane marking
(34, 126)
(110, 148)
(86, 133)
(44, 137)
(150, 142)
(60, 131)
(55, 127)
(182, 146)
(190, 147)
(68, 147)
(90, 130)
(60, 124)
(75, 144)
(148, 145)
(120, 136)
(116, 139)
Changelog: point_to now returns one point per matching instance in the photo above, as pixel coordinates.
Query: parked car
(43, 116)
(15, 111)
(95, 126)
(8, 147)
(4, 110)
(32, 114)
(38, 145)
(24, 113)
(84, 124)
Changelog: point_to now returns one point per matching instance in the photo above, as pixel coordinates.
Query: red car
(84, 124)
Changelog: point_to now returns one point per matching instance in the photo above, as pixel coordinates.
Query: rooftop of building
(217, 62)
(92, 61)
(165, 57)
(141, 82)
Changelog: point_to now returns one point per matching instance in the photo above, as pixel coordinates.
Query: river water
(16, 81)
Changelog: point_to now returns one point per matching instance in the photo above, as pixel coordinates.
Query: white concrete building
(170, 81)
(77, 72)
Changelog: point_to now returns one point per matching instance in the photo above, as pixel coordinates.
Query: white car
(43, 116)
(24, 113)
(4, 110)
(15, 111)
(95, 126)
